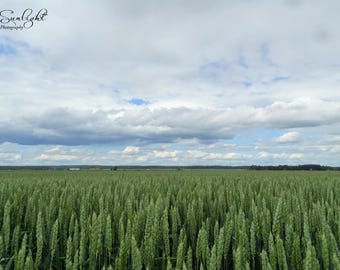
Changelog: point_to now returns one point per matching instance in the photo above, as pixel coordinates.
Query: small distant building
(74, 169)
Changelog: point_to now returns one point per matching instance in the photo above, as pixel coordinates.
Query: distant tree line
(305, 167)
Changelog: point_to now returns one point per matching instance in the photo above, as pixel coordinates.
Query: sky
(158, 82)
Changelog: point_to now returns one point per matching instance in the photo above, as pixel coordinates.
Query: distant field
(162, 219)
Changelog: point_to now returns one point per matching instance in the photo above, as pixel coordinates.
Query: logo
(9, 20)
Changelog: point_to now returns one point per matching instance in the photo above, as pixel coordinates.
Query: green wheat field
(162, 219)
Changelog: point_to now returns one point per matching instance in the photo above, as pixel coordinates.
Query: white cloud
(53, 149)
(264, 155)
(280, 156)
(131, 150)
(289, 137)
(81, 127)
(296, 156)
(44, 157)
(197, 154)
(6, 157)
(165, 154)
(204, 84)
(142, 158)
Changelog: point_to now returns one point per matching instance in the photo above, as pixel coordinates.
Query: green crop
(190, 219)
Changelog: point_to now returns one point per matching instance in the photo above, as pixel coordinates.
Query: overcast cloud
(171, 83)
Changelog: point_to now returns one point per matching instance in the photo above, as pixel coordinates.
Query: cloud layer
(172, 83)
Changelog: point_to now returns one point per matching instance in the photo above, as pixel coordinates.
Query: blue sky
(225, 83)
(138, 101)
(7, 49)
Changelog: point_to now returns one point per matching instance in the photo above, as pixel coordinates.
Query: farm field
(190, 219)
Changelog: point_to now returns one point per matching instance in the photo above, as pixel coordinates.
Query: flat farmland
(163, 219)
